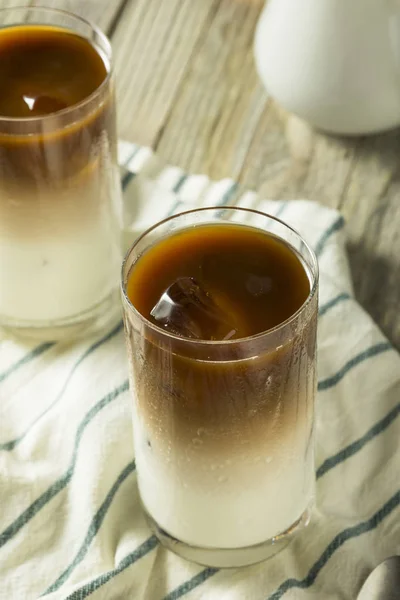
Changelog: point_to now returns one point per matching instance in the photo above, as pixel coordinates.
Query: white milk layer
(62, 261)
(232, 504)
(56, 279)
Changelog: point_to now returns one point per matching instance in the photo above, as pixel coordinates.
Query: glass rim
(82, 103)
(215, 343)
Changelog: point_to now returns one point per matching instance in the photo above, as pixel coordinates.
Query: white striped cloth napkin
(70, 522)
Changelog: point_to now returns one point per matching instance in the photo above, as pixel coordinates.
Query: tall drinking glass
(223, 430)
(60, 203)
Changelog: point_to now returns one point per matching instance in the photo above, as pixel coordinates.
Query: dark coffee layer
(254, 279)
(45, 69)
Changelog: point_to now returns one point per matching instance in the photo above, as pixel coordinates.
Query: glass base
(229, 557)
(102, 315)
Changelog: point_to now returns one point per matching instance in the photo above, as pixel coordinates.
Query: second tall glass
(60, 202)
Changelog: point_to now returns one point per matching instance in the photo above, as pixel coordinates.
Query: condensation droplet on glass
(197, 442)
(222, 479)
(268, 459)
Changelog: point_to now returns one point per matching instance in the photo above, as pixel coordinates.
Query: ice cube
(189, 310)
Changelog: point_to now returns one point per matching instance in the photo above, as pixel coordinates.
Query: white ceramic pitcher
(334, 63)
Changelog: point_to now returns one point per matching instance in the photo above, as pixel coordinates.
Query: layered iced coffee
(59, 193)
(221, 327)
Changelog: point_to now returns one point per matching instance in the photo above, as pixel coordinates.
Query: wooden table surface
(187, 86)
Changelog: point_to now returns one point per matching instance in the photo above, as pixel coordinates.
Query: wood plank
(371, 204)
(153, 44)
(100, 12)
(18, 15)
(13, 4)
(216, 111)
(288, 159)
